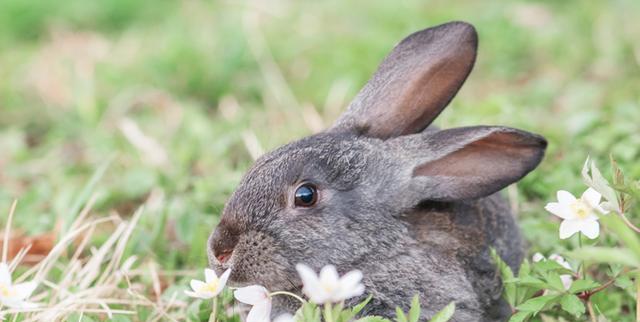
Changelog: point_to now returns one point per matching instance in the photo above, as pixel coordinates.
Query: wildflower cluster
(326, 291)
(555, 287)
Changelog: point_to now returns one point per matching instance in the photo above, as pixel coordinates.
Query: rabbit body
(416, 209)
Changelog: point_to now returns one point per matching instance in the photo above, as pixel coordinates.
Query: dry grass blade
(81, 283)
(7, 230)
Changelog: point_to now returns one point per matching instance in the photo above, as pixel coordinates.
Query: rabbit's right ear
(414, 83)
(464, 163)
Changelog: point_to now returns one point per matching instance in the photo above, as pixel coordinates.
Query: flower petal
(565, 197)
(569, 227)
(5, 275)
(285, 318)
(307, 275)
(601, 209)
(197, 285)
(351, 279)
(210, 275)
(350, 292)
(28, 305)
(223, 279)
(560, 260)
(537, 257)
(196, 295)
(567, 280)
(591, 229)
(17, 304)
(311, 284)
(252, 295)
(329, 275)
(561, 210)
(349, 286)
(24, 290)
(591, 197)
(260, 312)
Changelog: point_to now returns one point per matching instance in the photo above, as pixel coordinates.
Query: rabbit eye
(306, 195)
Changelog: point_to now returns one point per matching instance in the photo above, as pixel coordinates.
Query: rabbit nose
(223, 243)
(224, 255)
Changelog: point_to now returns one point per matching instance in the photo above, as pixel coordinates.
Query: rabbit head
(338, 197)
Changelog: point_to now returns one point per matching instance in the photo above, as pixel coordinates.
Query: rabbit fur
(415, 208)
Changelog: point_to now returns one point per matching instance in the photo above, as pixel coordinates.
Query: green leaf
(525, 293)
(400, 316)
(356, 309)
(549, 265)
(336, 310)
(525, 269)
(624, 282)
(520, 316)
(445, 314)
(536, 304)
(582, 285)
(345, 315)
(510, 290)
(414, 311)
(309, 312)
(533, 282)
(621, 231)
(615, 270)
(555, 282)
(605, 255)
(572, 304)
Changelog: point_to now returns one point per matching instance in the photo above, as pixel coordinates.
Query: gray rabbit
(415, 208)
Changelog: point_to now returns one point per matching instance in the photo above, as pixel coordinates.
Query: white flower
(285, 318)
(211, 287)
(537, 257)
(258, 297)
(566, 279)
(579, 215)
(328, 287)
(14, 295)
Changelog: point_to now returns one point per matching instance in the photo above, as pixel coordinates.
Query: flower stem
(582, 264)
(626, 221)
(328, 314)
(214, 312)
(289, 294)
(592, 313)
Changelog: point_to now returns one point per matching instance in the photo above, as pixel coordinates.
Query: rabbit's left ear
(466, 163)
(414, 83)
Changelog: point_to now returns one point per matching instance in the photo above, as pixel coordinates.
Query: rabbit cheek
(257, 260)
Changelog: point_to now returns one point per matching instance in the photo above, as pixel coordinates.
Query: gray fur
(400, 207)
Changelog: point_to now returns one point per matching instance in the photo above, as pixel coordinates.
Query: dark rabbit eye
(306, 195)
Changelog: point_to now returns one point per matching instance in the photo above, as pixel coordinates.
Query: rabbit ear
(468, 163)
(414, 83)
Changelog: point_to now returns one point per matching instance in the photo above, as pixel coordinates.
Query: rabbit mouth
(258, 259)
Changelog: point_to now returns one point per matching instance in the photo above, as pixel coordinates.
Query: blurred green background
(168, 102)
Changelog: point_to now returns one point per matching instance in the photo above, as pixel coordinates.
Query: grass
(118, 104)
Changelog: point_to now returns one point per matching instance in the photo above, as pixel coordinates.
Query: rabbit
(415, 208)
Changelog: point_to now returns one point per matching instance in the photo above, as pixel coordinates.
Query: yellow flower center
(211, 286)
(6, 291)
(581, 209)
(327, 287)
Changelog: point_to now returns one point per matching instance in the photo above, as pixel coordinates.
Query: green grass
(198, 79)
